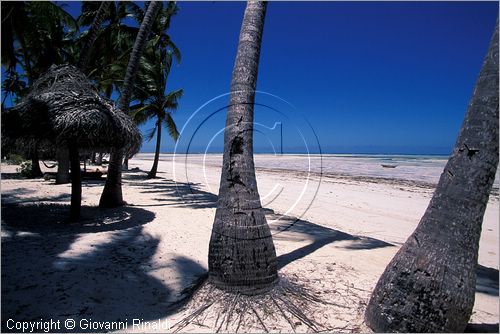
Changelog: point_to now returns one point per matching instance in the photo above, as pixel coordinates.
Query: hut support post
(99, 159)
(35, 164)
(76, 183)
(62, 166)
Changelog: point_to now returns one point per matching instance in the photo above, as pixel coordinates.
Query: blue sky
(363, 77)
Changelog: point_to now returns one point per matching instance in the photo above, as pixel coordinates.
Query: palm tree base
(423, 290)
(250, 289)
(242, 257)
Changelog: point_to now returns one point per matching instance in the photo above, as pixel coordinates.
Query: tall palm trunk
(35, 162)
(112, 193)
(63, 175)
(125, 163)
(429, 285)
(154, 168)
(241, 255)
(76, 183)
(87, 48)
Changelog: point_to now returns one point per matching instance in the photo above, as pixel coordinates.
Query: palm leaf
(150, 134)
(171, 127)
(171, 101)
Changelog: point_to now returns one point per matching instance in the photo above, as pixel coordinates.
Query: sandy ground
(133, 265)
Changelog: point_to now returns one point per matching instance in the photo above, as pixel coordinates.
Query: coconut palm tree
(151, 86)
(112, 194)
(35, 46)
(429, 285)
(241, 255)
(159, 39)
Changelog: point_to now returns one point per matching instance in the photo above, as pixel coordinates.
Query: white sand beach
(136, 262)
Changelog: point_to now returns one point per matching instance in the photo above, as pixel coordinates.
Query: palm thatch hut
(64, 109)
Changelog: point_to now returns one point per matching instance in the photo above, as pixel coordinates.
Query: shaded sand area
(142, 261)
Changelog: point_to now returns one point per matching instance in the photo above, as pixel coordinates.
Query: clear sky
(369, 77)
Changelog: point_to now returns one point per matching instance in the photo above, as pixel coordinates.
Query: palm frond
(150, 134)
(171, 127)
(171, 101)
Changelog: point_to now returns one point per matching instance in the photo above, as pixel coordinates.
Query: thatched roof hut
(63, 107)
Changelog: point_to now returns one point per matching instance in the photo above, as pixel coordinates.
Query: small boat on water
(389, 166)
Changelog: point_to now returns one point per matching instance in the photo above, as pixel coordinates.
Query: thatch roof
(63, 107)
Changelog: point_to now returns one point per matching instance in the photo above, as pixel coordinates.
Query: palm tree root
(291, 303)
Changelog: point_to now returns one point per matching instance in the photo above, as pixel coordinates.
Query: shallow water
(420, 168)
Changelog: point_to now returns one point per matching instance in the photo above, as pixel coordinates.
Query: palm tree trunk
(76, 183)
(242, 257)
(125, 163)
(35, 164)
(63, 175)
(112, 193)
(135, 55)
(87, 48)
(154, 168)
(429, 286)
(27, 61)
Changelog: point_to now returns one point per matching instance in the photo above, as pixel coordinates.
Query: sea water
(417, 168)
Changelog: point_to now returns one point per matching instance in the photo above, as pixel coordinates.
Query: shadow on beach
(50, 270)
(55, 270)
(179, 194)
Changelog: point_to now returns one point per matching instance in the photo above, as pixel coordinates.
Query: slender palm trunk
(242, 257)
(27, 61)
(154, 168)
(125, 163)
(76, 183)
(87, 48)
(429, 286)
(63, 175)
(112, 194)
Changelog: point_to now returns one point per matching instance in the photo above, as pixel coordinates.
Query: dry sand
(136, 262)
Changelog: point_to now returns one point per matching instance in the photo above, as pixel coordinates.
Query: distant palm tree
(151, 87)
(159, 39)
(429, 285)
(242, 256)
(112, 194)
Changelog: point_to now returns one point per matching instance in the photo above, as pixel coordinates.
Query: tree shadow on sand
(290, 229)
(178, 194)
(487, 278)
(102, 269)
